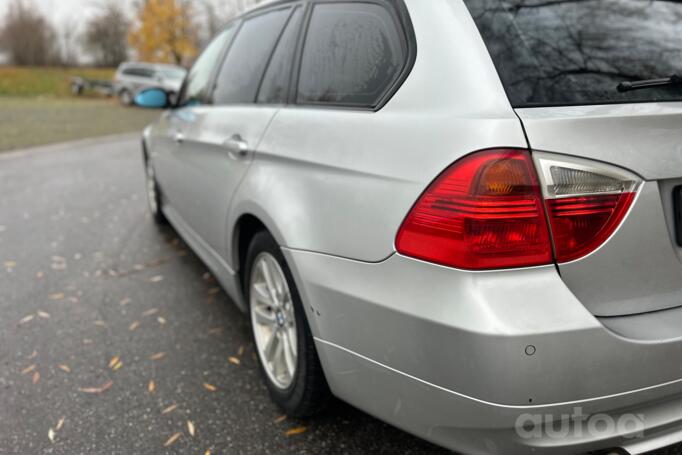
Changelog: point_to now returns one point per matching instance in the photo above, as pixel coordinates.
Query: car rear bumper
(471, 426)
(462, 359)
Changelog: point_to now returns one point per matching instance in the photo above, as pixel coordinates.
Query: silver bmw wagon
(463, 217)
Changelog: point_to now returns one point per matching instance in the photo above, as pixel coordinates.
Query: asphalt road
(96, 303)
(113, 336)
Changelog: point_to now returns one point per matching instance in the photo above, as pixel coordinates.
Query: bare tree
(216, 17)
(106, 35)
(27, 37)
(68, 42)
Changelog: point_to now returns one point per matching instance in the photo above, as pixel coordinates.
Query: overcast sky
(62, 10)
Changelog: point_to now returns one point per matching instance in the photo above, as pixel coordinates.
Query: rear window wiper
(649, 83)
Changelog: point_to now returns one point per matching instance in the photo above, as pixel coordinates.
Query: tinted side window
(196, 87)
(138, 72)
(352, 55)
(243, 68)
(275, 86)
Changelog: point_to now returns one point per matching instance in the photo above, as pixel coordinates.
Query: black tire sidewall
(158, 216)
(288, 399)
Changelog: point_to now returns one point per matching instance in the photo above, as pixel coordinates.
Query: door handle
(179, 138)
(237, 148)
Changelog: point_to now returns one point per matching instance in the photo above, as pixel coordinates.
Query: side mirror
(153, 98)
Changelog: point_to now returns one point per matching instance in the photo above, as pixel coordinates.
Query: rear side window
(275, 86)
(577, 52)
(243, 67)
(353, 54)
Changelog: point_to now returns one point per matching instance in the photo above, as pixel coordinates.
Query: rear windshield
(566, 52)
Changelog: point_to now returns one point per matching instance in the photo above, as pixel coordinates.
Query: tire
(125, 97)
(154, 196)
(306, 392)
(77, 89)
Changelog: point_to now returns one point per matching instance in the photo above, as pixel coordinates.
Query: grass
(28, 122)
(37, 108)
(45, 82)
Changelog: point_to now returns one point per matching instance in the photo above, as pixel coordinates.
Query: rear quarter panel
(341, 181)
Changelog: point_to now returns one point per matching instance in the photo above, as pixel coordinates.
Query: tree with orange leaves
(165, 32)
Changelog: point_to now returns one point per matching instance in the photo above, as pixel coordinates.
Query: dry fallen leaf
(241, 351)
(100, 323)
(208, 452)
(172, 440)
(190, 428)
(280, 419)
(114, 360)
(26, 319)
(295, 431)
(158, 356)
(214, 291)
(51, 434)
(87, 341)
(156, 279)
(33, 355)
(234, 360)
(138, 267)
(161, 320)
(58, 259)
(36, 377)
(58, 266)
(151, 312)
(134, 326)
(60, 424)
(118, 366)
(124, 302)
(57, 296)
(43, 315)
(170, 409)
(64, 367)
(210, 387)
(97, 390)
(10, 264)
(27, 370)
(151, 388)
(40, 275)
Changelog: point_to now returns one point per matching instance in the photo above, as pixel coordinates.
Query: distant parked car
(133, 77)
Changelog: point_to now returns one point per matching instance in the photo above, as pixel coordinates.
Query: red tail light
(580, 225)
(484, 212)
(487, 211)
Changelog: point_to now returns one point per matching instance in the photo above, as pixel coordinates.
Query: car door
(219, 139)
(168, 152)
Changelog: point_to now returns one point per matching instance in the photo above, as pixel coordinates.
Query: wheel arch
(246, 225)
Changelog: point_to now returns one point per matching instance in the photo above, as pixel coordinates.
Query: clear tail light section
(586, 202)
(484, 212)
(493, 210)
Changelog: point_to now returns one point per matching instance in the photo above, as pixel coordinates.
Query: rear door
(220, 139)
(561, 64)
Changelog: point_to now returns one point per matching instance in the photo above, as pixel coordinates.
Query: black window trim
(294, 8)
(291, 5)
(399, 13)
